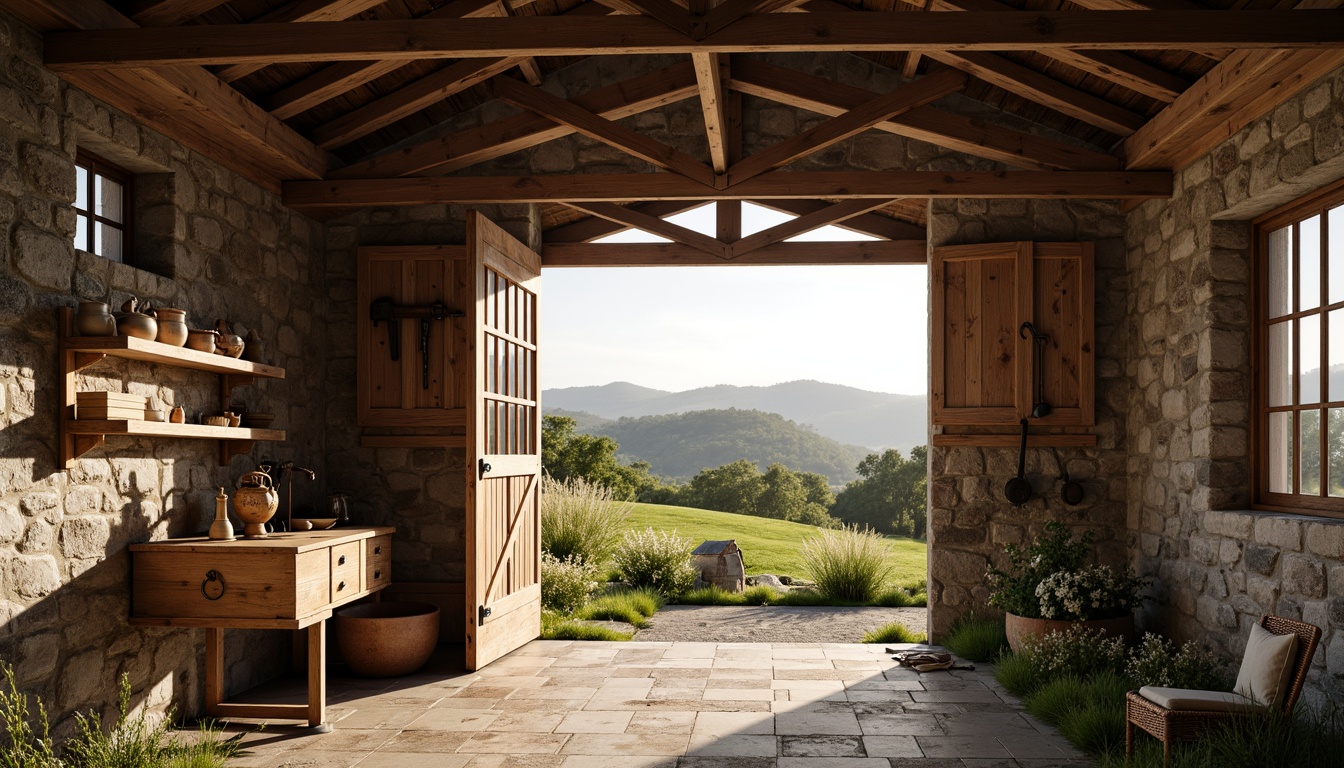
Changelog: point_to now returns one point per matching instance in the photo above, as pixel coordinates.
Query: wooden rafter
(945, 129)
(856, 120)
(409, 99)
(228, 44)
(633, 187)
(709, 79)
(601, 129)
(1043, 89)
(594, 227)
(296, 12)
(679, 255)
(653, 225)
(510, 134)
(666, 11)
(831, 214)
(167, 13)
(910, 65)
(730, 11)
(867, 223)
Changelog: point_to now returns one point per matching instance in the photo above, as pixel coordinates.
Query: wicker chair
(1172, 725)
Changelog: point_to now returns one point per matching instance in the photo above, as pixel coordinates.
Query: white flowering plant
(1014, 590)
(1088, 593)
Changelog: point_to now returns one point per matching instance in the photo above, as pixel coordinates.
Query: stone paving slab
(563, 704)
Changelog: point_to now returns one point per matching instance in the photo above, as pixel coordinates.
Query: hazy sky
(678, 328)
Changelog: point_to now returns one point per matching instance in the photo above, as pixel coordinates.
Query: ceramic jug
(255, 502)
(94, 318)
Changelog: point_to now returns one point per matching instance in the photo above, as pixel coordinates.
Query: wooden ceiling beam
(228, 44)
(666, 11)
(709, 78)
(859, 119)
(409, 99)
(637, 187)
(167, 13)
(780, 254)
(831, 214)
(653, 225)
(873, 224)
(1042, 89)
(935, 126)
(730, 11)
(297, 12)
(601, 129)
(335, 79)
(511, 134)
(728, 220)
(595, 227)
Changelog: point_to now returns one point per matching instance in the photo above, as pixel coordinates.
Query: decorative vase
(1019, 628)
(172, 326)
(94, 318)
(221, 529)
(255, 501)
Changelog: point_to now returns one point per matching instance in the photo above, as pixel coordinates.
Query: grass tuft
(1052, 701)
(760, 595)
(580, 519)
(711, 595)
(557, 627)
(895, 632)
(978, 638)
(804, 598)
(847, 563)
(633, 606)
(1017, 674)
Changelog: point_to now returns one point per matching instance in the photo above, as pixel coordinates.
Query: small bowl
(152, 414)
(216, 421)
(319, 523)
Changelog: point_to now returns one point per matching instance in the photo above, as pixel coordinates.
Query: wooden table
(285, 581)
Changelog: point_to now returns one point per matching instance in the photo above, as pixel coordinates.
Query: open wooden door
(503, 584)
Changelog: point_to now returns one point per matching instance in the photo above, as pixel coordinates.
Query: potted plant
(1049, 588)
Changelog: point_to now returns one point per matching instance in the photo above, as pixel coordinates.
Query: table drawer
(377, 562)
(347, 570)
(225, 585)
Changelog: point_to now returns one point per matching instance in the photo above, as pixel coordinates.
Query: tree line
(888, 496)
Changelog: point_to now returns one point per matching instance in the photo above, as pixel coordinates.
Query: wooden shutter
(984, 372)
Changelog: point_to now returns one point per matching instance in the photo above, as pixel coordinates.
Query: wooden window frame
(97, 166)
(1316, 203)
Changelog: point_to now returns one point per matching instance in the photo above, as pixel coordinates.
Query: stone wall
(219, 245)
(1218, 568)
(970, 521)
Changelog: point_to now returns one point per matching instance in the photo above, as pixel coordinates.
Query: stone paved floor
(673, 705)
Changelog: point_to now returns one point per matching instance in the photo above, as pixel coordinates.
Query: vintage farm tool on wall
(1041, 409)
(1018, 489)
(390, 311)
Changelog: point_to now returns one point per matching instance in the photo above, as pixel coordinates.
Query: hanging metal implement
(387, 309)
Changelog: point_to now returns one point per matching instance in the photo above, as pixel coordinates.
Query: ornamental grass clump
(849, 564)
(657, 560)
(580, 519)
(566, 584)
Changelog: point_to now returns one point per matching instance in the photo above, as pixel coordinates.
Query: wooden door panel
(1064, 303)
(503, 590)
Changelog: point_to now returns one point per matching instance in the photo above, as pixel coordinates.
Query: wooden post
(214, 670)
(317, 675)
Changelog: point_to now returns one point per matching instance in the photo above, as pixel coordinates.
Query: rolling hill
(847, 415)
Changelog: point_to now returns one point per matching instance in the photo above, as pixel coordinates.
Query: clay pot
(1018, 628)
(136, 324)
(94, 318)
(202, 341)
(255, 503)
(172, 326)
(229, 343)
(387, 639)
(177, 415)
(254, 350)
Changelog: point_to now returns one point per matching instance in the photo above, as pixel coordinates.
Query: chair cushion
(1203, 701)
(1267, 667)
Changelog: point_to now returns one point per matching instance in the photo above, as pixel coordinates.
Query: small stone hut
(720, 564)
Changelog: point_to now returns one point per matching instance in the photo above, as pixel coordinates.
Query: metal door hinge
(485, 467)
(483, 614)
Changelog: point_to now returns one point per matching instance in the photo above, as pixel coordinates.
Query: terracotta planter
(387, 639)
(1019, 628)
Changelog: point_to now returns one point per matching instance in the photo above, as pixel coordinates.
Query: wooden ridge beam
(709, 78)
(779, 254)
(595, 227)
(511, 134)
(935, 126)
(601, 129)
(859, 119)
(873, 224)
(1043, 89)
(634, 187)
(335, 79)
(409, 99)
(227, 44)
(653, 225)
(831, 214)
(295, 12)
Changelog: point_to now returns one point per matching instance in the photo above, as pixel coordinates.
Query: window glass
(1309, 359)
(1335, 247)
(1309, 263)
(1310, 476)
(1336, 446)
(1280, 454)
(102, 195)
(1280, 257)
(1280, 369)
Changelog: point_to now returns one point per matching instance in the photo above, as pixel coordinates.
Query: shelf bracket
(230, 448)
(85, 359)
(228, 381)
(80, 445)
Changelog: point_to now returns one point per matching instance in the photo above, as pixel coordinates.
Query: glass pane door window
(102, 221)
(1300, 356)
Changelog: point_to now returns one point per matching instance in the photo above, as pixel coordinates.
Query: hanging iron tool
(388, 310)
(1041, 409)
(1018, 489)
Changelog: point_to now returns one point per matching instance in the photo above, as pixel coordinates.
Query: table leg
(214, 670)
(317, 676)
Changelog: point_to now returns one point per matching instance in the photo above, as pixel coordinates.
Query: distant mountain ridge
(875, 420)
(679, 445)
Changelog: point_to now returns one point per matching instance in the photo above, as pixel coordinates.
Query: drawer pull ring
(341, 561)
(377, 575)
(213, 585)
(377, 550)
(340, 586)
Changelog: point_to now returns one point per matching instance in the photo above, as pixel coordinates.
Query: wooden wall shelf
(79, 436)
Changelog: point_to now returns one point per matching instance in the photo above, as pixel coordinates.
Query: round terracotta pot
(387, 639)
(172, 326)
(1019, 628)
